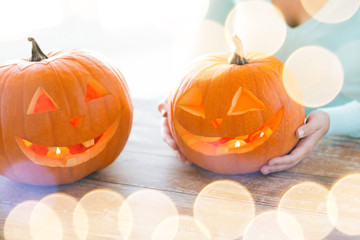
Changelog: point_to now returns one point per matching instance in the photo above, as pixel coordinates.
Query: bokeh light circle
(344, 205)
(96, 215)
(225, 208)
(180, 227)
(45, 223)
(260, 26)
(207, 38)
(333, 11)
(148, 209)
(63, 205)
(266, 226)
(313, 76)
(306, 202)
(17, 223)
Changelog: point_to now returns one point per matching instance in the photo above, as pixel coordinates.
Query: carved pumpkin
(63, 116)
(232, 117)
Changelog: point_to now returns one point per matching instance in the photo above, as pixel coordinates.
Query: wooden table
(148, 163)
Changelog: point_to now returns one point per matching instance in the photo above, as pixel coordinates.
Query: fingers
(182, 158)
(277, 168)
(167, 137)
(166, 134)
(301, 151)
(316, 121)
(163, 107)
(306, 130)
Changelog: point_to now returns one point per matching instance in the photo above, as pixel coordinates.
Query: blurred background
(149, 41)
(152, 41)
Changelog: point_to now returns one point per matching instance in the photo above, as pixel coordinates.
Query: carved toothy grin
(228, 145)
(67, 156)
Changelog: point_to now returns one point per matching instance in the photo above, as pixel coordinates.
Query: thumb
(305, 130)
(163, 108)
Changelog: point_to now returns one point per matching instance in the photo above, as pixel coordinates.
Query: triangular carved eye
(41, 102)
(94, 90)
(192, 102)
(244, 101)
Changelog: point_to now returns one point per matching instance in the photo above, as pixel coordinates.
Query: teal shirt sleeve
(344, 119)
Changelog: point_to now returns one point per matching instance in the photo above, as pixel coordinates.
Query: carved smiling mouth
(67, 156)
(228, 145)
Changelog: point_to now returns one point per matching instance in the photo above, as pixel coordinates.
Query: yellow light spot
(333, 11)
(313, 76)
(58, 151)
(225, 208)
(267, 130)
(344, 205)
(27, 143)
(148, 209)
(96, 215)
(260, 26)
(306, 202)
(266, 226)
(180, 228)
(262, 134)
(237, 144)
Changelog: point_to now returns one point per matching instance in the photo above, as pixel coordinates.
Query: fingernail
(265, 172)
(301, 133)
(162, 112)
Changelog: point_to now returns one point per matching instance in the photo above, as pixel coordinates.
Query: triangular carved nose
(217, 122)
(75, 121)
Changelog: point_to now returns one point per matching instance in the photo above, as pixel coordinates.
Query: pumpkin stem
(237, 57)
(36, 54)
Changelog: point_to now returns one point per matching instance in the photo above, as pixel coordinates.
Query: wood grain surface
(148, 163)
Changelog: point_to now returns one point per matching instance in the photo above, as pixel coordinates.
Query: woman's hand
(316, 126)
(166, 134)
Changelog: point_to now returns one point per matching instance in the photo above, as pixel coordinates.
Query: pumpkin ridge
(216, 148)
(63, 78)
(104, 103)
(60, 82)
(2, 96)
(80, 86)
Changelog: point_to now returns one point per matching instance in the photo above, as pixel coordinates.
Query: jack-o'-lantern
(232, 117)
(63, 116)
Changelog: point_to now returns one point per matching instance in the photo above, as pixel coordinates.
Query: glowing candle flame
(58, 151)
(237, 144)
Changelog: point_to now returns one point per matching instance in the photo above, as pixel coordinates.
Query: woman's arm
(344, 119)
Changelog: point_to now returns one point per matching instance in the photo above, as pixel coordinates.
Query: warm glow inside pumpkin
(243, 101)
(66, 156)
(67, 114)
(233, 117)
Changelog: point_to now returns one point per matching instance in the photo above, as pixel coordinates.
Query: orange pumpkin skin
(87, 100)
(232, 119)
